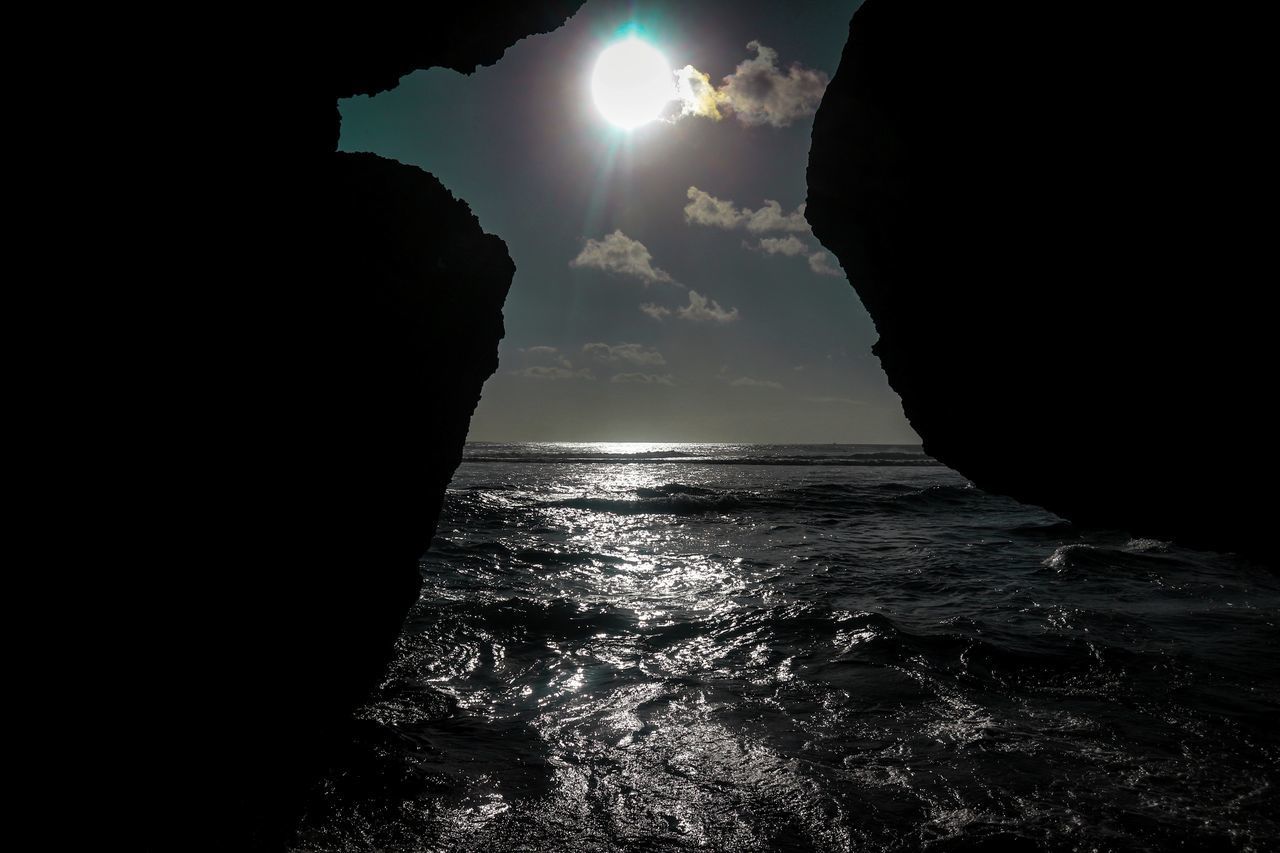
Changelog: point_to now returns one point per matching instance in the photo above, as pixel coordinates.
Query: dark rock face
(367, 55)
(371, 54)
(1041, 208)
(324, 323)
(399, 333)
(350, 379)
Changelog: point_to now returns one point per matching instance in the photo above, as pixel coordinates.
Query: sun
(632, 83)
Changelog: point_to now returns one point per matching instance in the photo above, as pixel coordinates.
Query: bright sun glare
(632, 82)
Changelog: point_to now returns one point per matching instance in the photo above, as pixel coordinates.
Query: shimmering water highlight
(728, 647)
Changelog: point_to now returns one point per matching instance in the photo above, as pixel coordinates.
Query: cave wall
(1038, 207)
(319, 327)
(397, 335)
(1043, 210)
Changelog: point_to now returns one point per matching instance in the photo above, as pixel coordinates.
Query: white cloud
(699, 310)
(643, 378)
(789, 246)
(657, 312)
(617, 253)
(542, 362)
(820, 262)
(845, 401)
(632, 353)
(553, 372)
(757, 92)
(771, 218)
(698, 96)
(748, 382)
(705, 209)
(545, 355)
(703, 310)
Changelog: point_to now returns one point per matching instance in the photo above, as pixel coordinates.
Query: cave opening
(667, 286)
(694, 581)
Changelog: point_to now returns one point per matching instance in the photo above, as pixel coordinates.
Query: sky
(667, 286)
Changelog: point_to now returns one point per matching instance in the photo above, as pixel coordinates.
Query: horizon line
(726, 441)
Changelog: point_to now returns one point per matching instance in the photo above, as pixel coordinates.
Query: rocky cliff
(1043, 209)
(319, 329)
(371, 391)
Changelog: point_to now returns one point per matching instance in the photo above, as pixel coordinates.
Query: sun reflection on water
(621, 651)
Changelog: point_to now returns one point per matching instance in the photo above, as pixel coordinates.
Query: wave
(677, 498)
(886, 459)
(937, 496)
(544, 458)
(683, 499)
(673, 489)
(1136, 555)
(1049, 530)
(526, 619)
(542, 557)
(880, 458)
(673, 504)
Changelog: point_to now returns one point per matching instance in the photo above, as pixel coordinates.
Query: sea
(734, 647)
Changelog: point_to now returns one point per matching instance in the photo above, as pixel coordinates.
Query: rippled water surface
(730, 647)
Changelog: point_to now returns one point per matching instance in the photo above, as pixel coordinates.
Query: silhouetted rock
(397, 335)
(1045, 210)
(369, 54)
(318, 329)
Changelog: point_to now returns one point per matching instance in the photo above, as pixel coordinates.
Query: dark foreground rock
(351, 380)
(308, 335)
(399, 334)
(1047, 212)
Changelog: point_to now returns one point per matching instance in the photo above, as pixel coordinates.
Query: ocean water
(736, 647)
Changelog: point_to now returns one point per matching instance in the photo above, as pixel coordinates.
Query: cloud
(699, 310)
(657, 312)
(820, 262)
(543, 362)
(748, 382)
(789, 246)
(632, 353)
(757, 92)
(698, 95)
(549, 355)
(761, 93)
(617, 253)
(845, 401)
(771, 218)
(643, 378)
(703, 310)
(705, 209)
(544, 372)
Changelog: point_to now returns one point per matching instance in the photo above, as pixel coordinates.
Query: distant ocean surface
(735, 647)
